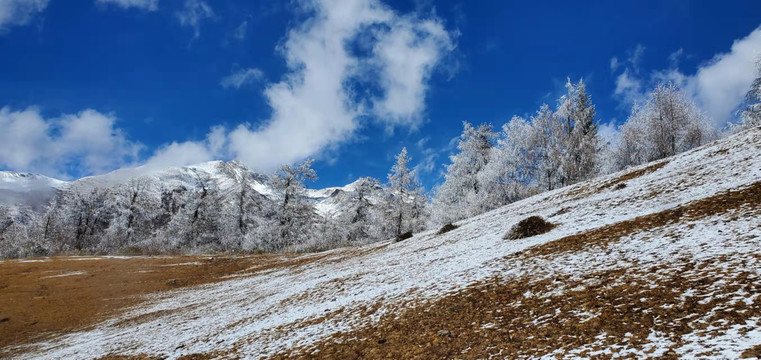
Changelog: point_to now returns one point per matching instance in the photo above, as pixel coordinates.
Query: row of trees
(555, 147)
(561, 146)
(200, 214)
(373, 211)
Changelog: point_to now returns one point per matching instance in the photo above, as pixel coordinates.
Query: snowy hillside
(661, 260)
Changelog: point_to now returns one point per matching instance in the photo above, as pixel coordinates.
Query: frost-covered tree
(666, 124)
(511, 173)
(548, 142)
(294, 216)
(362, 220)
(405, 202)
(751, 115)
(580, 160)
(463, 192)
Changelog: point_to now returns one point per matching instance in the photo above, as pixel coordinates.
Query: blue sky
(88, 86)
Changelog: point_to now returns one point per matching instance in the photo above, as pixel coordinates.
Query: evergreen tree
(463, 192)
(548, 142)
(580, 162)
(405, 203)
(361, 219)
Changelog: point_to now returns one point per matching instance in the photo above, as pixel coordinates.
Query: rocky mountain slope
(658, 261)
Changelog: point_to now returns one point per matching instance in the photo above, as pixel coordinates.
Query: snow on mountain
(658, 260)
(24, 189)
(36, 191)
(332, 201)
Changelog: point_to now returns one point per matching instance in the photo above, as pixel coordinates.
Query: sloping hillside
(662, 260)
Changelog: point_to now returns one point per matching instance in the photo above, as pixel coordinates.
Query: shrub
(447, 228)
(528, 227)
(404, 236)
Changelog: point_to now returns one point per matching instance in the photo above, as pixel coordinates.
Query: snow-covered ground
(268, 311)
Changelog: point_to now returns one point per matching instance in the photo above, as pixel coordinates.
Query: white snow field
(266, 312)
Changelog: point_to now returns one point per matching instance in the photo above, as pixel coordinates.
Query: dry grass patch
(528, 227)
(447, 228)
(749, 196)
(527, 318)
(58, 295)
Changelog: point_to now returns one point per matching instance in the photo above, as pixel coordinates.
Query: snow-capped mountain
(24, 189)
(36, 191)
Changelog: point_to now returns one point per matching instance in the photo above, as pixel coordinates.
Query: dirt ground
(47, 296)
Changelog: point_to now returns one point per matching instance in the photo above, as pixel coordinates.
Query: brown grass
(528, 227)
(621, 180)
(497, 317)
(752, 353)
(404, 236)
(38, 303)
(749, 196)
(447, 228)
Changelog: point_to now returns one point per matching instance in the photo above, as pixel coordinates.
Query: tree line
(557, 146)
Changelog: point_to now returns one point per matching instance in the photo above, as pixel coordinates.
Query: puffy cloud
(241, 77)
(76, 144)
(628, 88)
(149, 5)
(717, 87)
(720, 85)
(407, 54)
(314, 107)
(192, 13)
(19, 12)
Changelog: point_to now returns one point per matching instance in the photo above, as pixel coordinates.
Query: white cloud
(84, 143)
(192, 13)
(428, 163)
(628, 88)
(675, 57)
(720, 85)
(717, 87)
(314, 107)
(614, 64)
(608, 132)
(189, 152)
(240, 31)
(636, 56)
(149, 5)
(241, 77)
(19, 12)
(407, 54)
